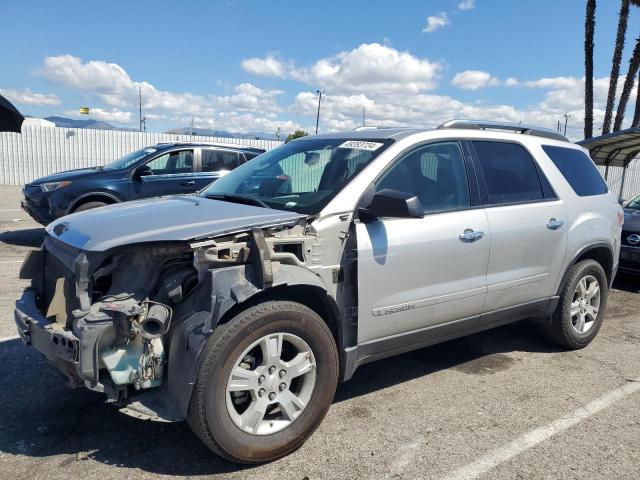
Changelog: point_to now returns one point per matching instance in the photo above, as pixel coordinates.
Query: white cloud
(554, 82)
(267, 67)
(110, 84)
(511, 82)
(105, 115)
(436, 22)
(27, 97)
(473, 80)
(371, 68)
(467, 4)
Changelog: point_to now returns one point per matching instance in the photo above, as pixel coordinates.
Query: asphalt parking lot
(503, 404)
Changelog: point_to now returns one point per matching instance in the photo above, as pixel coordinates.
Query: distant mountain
(100, 125)
(90, 123)
(206, 132)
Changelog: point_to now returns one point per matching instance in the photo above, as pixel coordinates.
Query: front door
(170, 173)
(419, 272)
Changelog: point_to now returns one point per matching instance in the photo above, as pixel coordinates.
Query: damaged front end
(131, 322)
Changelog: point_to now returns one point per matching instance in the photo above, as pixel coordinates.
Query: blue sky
(254, 66)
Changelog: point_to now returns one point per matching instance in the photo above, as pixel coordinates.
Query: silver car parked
(239, 309)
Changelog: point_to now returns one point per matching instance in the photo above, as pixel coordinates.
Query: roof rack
(513, 127)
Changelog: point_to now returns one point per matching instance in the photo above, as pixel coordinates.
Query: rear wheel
(581, 308)
(89, 206)
(265, 383)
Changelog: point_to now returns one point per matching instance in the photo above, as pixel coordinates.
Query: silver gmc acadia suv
(241, 307)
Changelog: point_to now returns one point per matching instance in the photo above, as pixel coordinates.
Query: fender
(98, 193)
(581, 252)
(197, 317)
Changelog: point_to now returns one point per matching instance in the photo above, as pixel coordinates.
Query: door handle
(188, 183)
(470, 236)
(554, 224)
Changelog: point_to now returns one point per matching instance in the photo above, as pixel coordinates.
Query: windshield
(302, 176)
(635, 203)
(129, 159)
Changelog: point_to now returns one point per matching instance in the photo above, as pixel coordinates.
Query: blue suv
(163, 169)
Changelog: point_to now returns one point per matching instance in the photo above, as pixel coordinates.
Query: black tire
(208, 416)
(89, 206)
(560, 328)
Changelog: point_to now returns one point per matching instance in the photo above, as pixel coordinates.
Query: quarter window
(578, 169)
(435, 173)
(509, 171)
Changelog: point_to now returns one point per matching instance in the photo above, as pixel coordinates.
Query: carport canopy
(615, 149)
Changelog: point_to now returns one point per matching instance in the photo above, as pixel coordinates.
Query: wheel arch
(231, 291)
(97, 196)
(601, 252)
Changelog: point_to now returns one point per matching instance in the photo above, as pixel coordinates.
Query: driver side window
(434, 173)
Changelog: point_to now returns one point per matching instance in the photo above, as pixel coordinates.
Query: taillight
(620, 217)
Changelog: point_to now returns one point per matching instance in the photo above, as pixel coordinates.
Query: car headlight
(50, 187)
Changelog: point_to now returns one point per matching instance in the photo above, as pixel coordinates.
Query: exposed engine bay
(127, 318)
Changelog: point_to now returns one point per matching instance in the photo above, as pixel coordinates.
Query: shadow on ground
(43, 418)
(27, 237)
(627, 282)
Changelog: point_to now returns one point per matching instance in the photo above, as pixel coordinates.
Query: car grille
(625, 238)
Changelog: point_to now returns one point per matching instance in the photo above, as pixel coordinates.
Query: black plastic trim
(416, 339)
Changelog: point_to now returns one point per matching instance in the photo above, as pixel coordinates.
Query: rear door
(527, 223)
(215, 163)
(419, 272)
(170, 173)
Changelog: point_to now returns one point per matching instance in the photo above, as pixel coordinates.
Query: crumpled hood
(631, 220)
(163, 219)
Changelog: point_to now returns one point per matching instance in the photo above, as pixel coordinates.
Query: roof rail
(514, 127)
(213, 144)
(363, 128)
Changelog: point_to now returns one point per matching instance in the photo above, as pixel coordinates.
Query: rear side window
(216, 160)
(578, 169)
(509, 172)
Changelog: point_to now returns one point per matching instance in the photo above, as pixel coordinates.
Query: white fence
(40, 151)
(631, 186)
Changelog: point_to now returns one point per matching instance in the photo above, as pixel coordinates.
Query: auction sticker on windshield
(360, 145)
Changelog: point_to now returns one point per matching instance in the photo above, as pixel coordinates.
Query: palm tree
(636, 115)
(615, 66)
(589, 27)
(634, 64)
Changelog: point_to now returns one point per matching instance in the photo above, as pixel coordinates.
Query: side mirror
(142, 171)
(392, 204)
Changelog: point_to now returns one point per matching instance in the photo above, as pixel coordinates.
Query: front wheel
(580, 311)
(265, 382)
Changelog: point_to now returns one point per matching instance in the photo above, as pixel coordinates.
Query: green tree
(296, 134)
(589, 27)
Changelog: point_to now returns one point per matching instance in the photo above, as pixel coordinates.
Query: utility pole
(363, 116)
(319, 92)
(566, 119)
(140, 105)
(191, 127)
